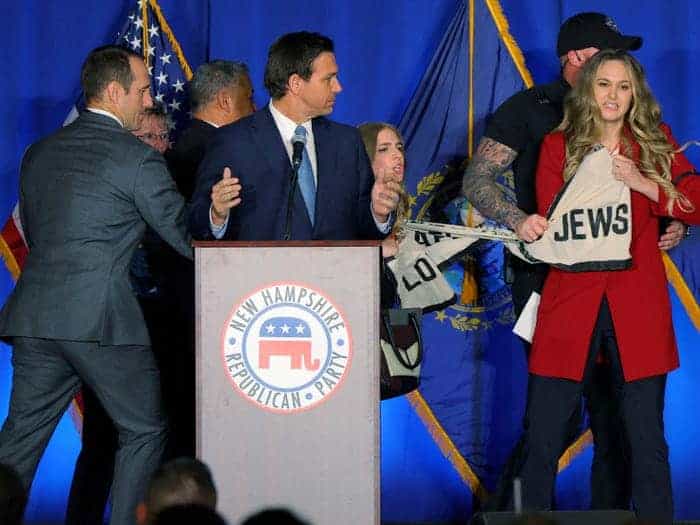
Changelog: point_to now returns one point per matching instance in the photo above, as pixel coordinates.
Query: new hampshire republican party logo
(286, 347)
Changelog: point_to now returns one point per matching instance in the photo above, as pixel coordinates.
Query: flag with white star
(147, 32)
(169, 71)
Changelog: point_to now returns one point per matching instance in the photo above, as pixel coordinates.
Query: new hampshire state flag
(473, 378)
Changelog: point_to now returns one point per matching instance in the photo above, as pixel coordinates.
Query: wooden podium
(288, 377)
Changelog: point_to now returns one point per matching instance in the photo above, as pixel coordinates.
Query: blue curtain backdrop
(383, 50)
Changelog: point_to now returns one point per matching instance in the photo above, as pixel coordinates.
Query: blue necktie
(307, 185)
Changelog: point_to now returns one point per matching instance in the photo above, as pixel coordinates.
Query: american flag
(13, 247)
(147, 32)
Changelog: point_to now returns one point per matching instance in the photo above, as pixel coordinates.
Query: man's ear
(294, 83)
(114, 92)
(141, 513)
(223, 100)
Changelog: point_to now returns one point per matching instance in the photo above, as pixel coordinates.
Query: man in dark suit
(220, 93)
(336, 197)
(94, 468)
(86, 195)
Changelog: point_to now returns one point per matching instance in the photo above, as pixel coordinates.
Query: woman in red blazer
(623, 316)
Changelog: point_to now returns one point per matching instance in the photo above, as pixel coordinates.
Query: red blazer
(638, 297)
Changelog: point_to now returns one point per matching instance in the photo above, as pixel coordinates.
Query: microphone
(298, 143)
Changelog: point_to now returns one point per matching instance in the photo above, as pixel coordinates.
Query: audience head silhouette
(182, 481)
(274, 516)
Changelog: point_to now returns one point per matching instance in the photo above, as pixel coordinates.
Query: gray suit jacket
(86, 194)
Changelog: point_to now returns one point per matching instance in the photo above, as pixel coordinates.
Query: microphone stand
(290, 202)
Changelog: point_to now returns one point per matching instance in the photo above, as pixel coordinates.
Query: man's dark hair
(182, 481)
(212, 77)
(104, 65)
(13, 496)
(293, 53)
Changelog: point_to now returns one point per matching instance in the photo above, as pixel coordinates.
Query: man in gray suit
(86, 194)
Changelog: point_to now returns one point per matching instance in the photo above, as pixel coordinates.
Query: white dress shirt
(287, 127)
(210, 123)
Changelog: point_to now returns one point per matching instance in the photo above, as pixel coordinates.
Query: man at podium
(292, 173)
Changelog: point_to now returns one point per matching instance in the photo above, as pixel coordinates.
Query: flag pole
(144, 31)
(171, 38)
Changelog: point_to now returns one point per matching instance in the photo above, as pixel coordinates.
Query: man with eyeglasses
(154, 129)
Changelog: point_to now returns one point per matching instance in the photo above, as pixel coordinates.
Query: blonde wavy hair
(582, 125)
(369, 131)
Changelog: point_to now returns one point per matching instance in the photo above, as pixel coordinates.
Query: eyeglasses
(153, 136)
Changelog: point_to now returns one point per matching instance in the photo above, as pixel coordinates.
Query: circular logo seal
(286, 347)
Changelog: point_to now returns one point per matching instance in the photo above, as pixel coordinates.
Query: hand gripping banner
(590, 221)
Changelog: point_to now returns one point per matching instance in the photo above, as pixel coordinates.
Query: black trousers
(551, 403)
(46, 376)
(610, 471)
(94, 468)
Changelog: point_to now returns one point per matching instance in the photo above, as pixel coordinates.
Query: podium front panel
(287, 379)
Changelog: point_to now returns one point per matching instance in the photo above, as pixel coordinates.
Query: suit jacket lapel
(326, 160)
(269, 142)
(267, 138)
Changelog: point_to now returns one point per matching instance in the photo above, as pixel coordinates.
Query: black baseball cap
(593, 30)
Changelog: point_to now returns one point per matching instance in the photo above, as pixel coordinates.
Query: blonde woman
(622, 316)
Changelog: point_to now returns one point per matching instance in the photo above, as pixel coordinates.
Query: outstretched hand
(225, 194)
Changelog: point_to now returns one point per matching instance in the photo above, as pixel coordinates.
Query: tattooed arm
(479, 186)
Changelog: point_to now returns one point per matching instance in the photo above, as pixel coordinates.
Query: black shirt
(521, 123)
